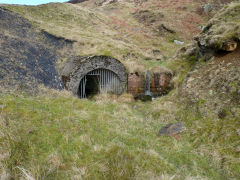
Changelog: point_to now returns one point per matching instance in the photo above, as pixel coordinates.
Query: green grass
(57, 137)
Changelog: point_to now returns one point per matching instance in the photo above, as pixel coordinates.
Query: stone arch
(78, 67)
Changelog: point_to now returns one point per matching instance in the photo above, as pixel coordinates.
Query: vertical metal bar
(109, 85)
(85, 86)
(104, 73)
(109, 82)
(84, 83)
(105, 78)
(118, 87)
(101, 79)
(114, 84)
(81, 88)
(106, 81)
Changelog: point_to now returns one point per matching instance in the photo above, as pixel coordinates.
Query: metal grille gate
(108, 82)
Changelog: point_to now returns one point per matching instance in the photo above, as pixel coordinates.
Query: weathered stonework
(136, 83)
(77, 67)
(160, 83)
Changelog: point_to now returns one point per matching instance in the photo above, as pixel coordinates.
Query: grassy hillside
(56, 136)
(140, 35)
(51, 135)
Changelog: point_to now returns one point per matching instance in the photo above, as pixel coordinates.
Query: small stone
(156, 52)
(222, 114)
(172, 129)
(238, 149)
(207, 8)
(229, 46)
(211, 92)
(178, 42)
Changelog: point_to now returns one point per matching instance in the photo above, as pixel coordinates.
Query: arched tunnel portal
(99, 81)
(87, 76)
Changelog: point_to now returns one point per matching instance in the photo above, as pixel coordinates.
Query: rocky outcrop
(214, 82)
(218, 79)
(221, 33)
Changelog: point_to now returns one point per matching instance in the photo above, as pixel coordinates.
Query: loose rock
(178, 42)
(229, 46)
(173, 129)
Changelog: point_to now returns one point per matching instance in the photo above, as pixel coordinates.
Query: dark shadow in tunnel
(92, 85)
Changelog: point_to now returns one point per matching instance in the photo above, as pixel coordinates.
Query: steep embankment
(140, 34)
(27, 57)
(215, 78)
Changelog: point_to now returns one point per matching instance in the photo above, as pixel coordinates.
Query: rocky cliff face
(215, 80)
(27, 57)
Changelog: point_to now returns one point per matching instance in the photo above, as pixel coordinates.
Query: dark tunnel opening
(92, 85)
(99, 81)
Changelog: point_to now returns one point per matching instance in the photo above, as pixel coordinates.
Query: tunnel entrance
(99, 81)
(92, 85)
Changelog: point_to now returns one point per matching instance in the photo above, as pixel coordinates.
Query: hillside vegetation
(56, 136)
(140, 35)
(49, 134)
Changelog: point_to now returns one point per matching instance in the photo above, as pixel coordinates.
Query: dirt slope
(27, 57)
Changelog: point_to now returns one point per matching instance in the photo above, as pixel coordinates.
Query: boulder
(172, 129)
